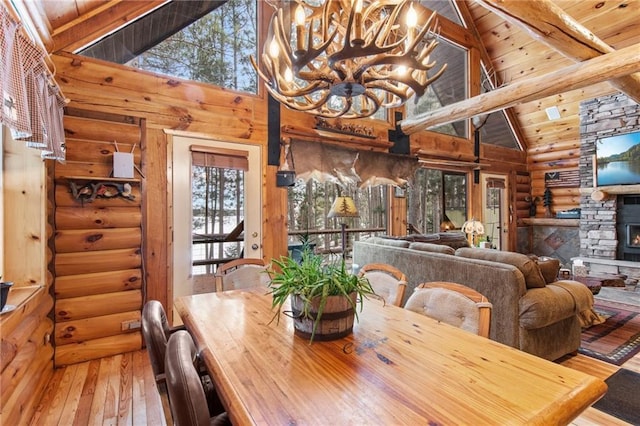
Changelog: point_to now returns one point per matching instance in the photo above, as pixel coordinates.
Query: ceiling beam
(606, 67)
(548, 23)
(98, 22)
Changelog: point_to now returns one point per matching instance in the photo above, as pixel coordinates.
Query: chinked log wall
(563, 156)
(98, 260)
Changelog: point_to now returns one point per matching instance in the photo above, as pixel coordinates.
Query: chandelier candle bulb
(412, 21)
(357, 24)
(300, 18)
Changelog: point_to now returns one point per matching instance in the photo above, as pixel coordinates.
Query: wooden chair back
(454, 304)
(387, 281)
(241, 273)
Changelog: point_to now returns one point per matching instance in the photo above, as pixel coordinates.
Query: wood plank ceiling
(515, 53)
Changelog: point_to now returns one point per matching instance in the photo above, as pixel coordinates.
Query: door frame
(179, 194)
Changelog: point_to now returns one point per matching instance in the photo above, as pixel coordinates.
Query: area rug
(617, 339)
(622, 399)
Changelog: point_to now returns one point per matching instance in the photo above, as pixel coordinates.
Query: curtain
(222, 158)
(32, 105)
(495, 183)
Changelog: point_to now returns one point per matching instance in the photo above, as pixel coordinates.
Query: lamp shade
(473, 227)
(343, 207)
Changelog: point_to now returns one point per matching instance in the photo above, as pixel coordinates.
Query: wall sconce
(284, 176)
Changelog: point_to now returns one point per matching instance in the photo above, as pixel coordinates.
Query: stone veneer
(601, 117)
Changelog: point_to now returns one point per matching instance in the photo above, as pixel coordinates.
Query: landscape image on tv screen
(618, 160)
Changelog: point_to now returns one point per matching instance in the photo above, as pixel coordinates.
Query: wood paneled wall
(98, 245)
(25, 346)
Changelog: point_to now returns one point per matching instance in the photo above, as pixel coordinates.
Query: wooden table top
(398, 367)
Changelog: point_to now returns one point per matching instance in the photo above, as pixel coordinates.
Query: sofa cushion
(532, 276)
(549, 267)
(541, 307)
(434, 248)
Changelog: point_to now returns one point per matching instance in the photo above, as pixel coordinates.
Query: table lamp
(343, 206)
(473, 227)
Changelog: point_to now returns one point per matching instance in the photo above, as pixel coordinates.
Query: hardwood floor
(117, 390)
(120, 390)
(597, 368)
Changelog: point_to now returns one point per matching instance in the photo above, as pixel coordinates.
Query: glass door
(494, 211)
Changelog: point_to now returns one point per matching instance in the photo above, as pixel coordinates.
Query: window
(434, 196)
(497, 130)
(208, 42)
(444, 8)
(310, 202)
(451, 87)
(217, 205)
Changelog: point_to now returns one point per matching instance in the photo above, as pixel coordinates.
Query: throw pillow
(434, 248)
(393, 243)
(550, 268)
(529, 268)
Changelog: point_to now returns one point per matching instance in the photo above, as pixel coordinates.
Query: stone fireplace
(605, 221)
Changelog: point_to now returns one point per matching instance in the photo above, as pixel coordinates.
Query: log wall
(561, 156)
(98, 244)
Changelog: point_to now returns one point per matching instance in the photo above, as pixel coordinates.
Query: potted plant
(324, 297)
(296, 250)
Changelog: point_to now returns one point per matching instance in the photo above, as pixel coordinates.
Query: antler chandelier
(348, 58)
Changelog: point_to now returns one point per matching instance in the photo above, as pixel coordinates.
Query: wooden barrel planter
(336, 321)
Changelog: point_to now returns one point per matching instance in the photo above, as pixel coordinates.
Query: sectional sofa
(533, 312)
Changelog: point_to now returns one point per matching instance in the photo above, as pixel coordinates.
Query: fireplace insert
(633, 235)
(628, 228)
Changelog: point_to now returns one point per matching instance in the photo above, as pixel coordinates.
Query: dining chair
(156, 332)
(241, 273)
(387, 281)
(187, 397)
(454, 304)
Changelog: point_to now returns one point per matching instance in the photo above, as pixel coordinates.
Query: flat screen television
(618, 160)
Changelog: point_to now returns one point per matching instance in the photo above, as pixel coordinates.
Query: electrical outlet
(131, 325)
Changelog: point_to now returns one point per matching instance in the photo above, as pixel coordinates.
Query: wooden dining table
(397, 368)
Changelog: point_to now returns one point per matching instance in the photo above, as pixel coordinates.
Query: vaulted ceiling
(521, 39)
